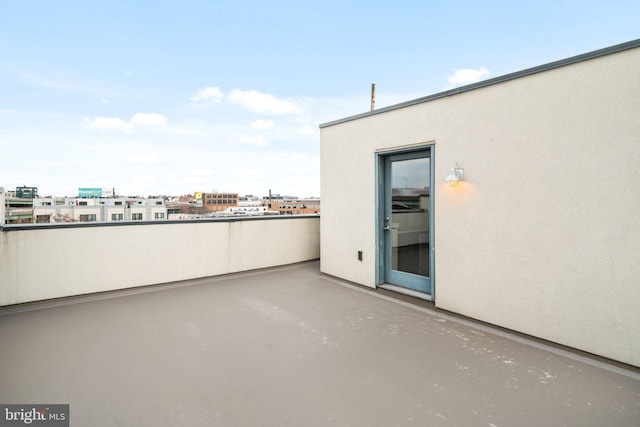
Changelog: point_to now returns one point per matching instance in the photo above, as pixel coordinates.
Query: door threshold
(405, 291)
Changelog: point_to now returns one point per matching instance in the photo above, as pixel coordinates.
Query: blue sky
(173, 97)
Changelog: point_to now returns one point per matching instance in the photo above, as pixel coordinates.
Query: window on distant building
(119, 203)
(159, 215)
(43, 219)
(117, 217)
(136, 217)
(82, 203)
(88, 218)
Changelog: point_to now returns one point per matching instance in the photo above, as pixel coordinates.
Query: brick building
(216, 202)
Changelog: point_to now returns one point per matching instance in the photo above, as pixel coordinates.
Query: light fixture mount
(456, 174)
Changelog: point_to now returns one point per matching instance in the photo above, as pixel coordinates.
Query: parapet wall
(39, 263)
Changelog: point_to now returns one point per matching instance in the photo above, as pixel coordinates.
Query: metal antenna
(373, 96)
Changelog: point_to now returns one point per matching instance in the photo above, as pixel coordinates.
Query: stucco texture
(543, 235)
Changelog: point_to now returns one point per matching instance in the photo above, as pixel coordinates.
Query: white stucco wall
(38, 264)
(543, 236)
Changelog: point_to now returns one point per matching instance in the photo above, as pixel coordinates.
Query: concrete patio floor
(289, 346)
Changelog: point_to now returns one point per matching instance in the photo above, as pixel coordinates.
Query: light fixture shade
(456, 175)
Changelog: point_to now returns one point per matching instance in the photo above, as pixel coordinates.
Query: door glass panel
(410, 216)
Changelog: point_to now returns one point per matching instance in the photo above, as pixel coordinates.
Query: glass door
(406, 220)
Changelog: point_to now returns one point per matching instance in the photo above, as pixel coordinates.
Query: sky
(172, 97)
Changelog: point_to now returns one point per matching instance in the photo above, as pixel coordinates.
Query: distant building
(213, 205)
(18, 205)
(217, 202)
(18, 210)
(289, 205)
(176, 207)
(26, 192)
(246, 210)
(69, 209)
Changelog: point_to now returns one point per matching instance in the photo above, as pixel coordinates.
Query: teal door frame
(385, 276)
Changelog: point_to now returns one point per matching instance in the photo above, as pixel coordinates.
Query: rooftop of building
(291, 346)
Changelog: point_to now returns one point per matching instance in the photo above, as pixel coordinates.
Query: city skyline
(174, 98)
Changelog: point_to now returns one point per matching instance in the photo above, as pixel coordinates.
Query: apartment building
(58, 210)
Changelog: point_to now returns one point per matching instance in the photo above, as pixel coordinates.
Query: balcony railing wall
(44, 262)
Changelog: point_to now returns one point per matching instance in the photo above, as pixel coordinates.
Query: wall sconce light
(456, 174)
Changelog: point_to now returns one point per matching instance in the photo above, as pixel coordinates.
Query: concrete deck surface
(290, 347)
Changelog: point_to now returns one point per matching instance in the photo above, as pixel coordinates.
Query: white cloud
(148, 119)
(201, 172)
(249, 173)
(211, 93)
(467, 76)
(262, 124)
(146, 158)
(117, 124)
(258, 141)
(306, 130)
(55, 78)
(144, 179)
(263, 103)
(109, 123)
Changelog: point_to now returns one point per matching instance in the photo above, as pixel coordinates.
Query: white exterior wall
(139, 210)
(157, 209)
(543, 236)
(44, 210)
(114, 210)
(76, 211)
(38, 264)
